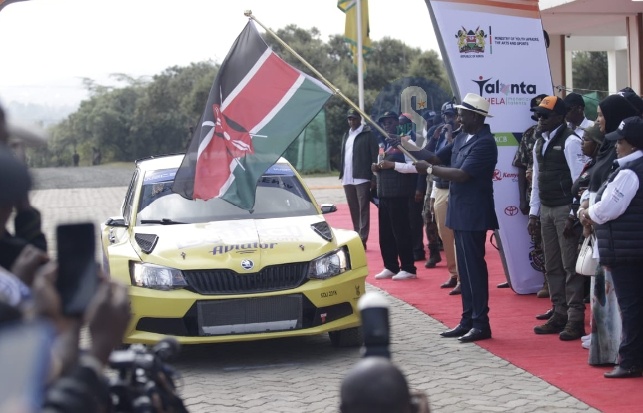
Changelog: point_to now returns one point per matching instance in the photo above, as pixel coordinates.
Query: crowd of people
(577, 178)
(51, 369)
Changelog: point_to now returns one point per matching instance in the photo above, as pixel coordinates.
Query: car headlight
(156, 276)
(329, 265)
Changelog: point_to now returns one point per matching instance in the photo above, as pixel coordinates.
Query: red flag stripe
(260, 91)
(283, 102)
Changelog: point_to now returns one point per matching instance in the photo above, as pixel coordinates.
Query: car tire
(350, 337)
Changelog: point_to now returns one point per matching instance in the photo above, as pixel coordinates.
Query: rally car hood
(227, 244)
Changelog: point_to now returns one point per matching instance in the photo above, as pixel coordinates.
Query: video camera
(373, 309)
(374, 312)
(144, 380)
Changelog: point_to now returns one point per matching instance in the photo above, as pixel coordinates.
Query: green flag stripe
(279, 133)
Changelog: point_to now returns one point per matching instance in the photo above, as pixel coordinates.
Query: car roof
(154, 163)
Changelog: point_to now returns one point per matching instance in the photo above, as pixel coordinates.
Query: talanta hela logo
(490, 86)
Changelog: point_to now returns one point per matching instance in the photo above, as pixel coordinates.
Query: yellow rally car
(207, 271)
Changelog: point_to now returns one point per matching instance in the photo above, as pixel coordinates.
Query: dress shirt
(348, 179)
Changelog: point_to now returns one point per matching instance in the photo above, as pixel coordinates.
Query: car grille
(223, 281)
(250, 315)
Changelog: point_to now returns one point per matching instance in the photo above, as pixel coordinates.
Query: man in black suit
(470, 214)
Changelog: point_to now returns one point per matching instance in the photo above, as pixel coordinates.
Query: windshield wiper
(163, 221)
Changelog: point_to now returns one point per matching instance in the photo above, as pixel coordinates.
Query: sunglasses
(542, 116)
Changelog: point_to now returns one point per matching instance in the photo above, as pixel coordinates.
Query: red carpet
(562, 364)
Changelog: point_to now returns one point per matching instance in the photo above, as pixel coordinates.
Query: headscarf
(615, 108)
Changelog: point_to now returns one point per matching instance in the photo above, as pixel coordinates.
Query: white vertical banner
(496, 49)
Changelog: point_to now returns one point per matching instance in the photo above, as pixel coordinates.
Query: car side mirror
(328, 208)
(118, 222)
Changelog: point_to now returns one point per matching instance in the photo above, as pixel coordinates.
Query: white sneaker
(403, 275)
(586, 338)
(386, 273)
(586, 344)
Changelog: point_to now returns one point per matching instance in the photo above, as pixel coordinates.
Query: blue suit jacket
(471, 206)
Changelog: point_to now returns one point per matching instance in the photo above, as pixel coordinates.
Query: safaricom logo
(489, 87)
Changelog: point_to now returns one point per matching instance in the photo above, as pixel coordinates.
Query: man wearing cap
(429, 117)
(359, 151)
(575, 117)
(395, 190)
(472, 158)
(617, 216)
(558, 161)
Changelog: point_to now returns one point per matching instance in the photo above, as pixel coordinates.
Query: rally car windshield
(279, 194)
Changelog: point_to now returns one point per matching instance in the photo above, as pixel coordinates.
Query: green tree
(154, 116)
(589, 71)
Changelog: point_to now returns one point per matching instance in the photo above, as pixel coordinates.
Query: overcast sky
(49, 45)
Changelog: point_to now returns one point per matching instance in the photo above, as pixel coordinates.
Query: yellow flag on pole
(351, 32)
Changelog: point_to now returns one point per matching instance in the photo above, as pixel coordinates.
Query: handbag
(585, 263)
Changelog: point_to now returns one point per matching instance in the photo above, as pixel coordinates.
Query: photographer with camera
(375, 384)
(44, 304)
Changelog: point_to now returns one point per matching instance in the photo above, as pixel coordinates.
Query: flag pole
(248, 13)
(360, 55)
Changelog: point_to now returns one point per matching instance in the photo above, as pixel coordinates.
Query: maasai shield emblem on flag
(257, 107)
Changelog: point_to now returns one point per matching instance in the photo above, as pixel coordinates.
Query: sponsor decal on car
(224, 249)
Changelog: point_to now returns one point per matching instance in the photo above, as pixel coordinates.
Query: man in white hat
(472, 157)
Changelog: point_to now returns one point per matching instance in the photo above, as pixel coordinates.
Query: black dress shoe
(503, 285)
(475, 334)
(546, 315)
(457, 290)
(456, 331)
(450, 283)
(621, 373)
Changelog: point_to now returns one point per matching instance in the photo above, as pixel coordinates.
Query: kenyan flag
(257, 107)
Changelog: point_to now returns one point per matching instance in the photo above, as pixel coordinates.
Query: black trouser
(474, 278)
(358, 198)
(395, 234)
(628, 286)
(416, 221)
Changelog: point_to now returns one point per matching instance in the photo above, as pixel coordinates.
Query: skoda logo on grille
(247, 264)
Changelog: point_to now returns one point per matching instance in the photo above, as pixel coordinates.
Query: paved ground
(303, 374)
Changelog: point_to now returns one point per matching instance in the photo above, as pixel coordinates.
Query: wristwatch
(429, 169)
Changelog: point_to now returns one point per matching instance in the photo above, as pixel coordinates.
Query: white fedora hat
(475, 103)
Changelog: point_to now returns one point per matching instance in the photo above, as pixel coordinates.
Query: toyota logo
(511, 210)
(247, 264)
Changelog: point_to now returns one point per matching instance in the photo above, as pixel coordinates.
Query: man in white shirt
(359, 152)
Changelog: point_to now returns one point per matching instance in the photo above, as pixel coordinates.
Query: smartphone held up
(77, 279)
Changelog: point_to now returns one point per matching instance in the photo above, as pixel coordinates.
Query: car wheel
(350, 337)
